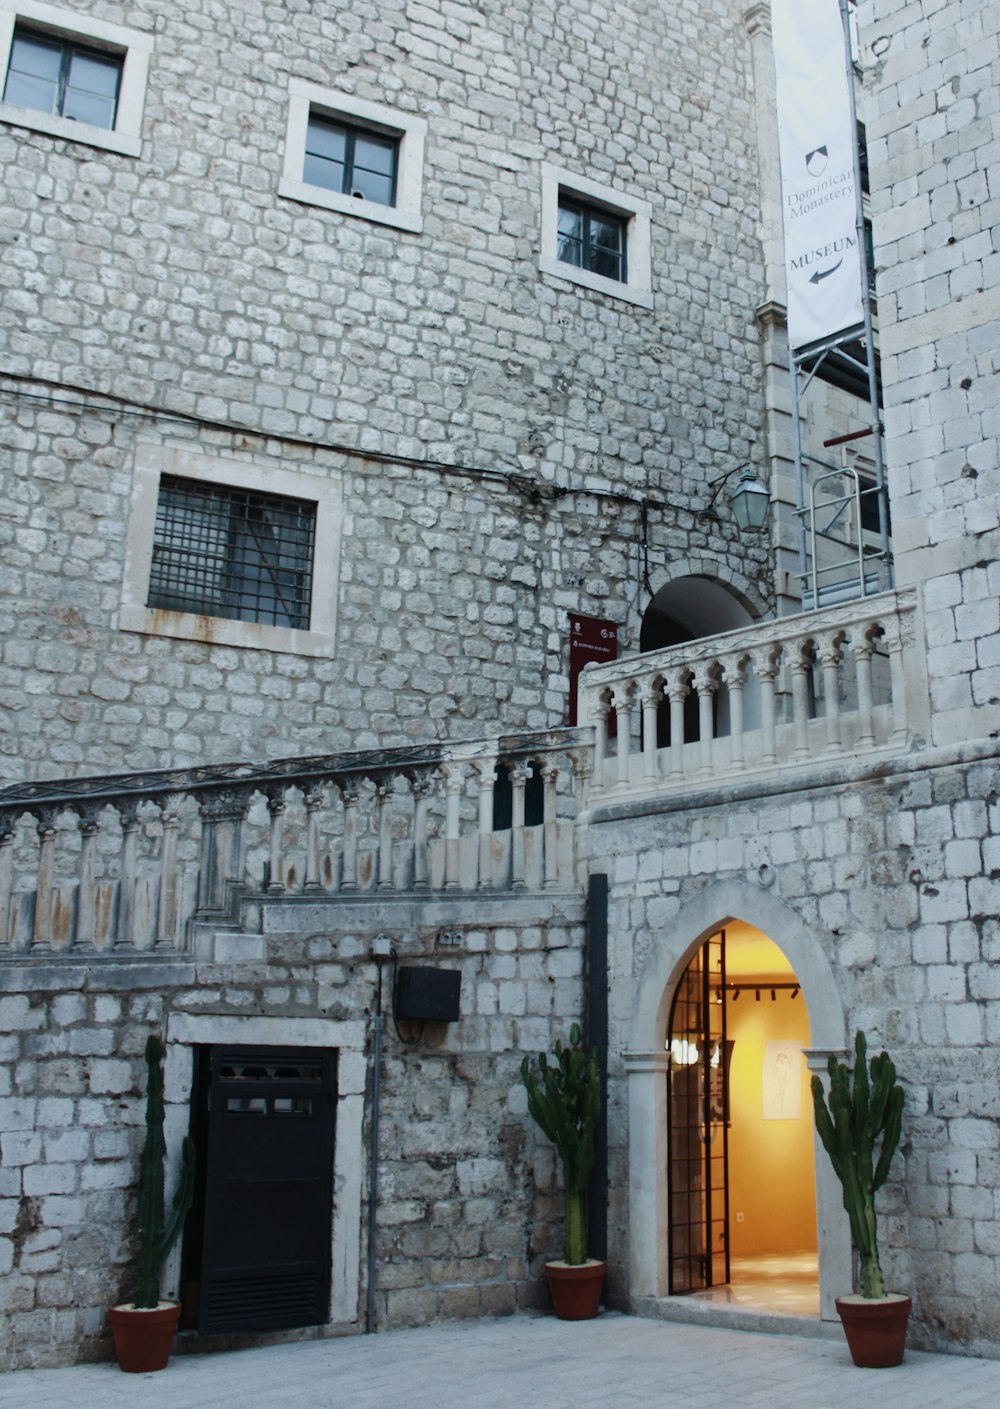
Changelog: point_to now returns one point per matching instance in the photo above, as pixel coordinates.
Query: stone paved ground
(522, 1362)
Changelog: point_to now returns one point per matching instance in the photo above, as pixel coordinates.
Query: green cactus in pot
(850, 1123)
(157, 1233)
(564, 1098)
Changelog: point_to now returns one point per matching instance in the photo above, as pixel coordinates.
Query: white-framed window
(596, 236)
(72, 75)
(352, 156)
(232, 552)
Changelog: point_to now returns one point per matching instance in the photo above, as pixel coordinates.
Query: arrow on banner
(825, 274)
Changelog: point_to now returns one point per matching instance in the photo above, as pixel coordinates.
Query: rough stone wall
(895, 881)
(932, 77)
(181, 281)
(468, 1205)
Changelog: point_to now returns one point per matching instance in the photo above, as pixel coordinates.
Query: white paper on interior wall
(818, 191)
(781, 1081)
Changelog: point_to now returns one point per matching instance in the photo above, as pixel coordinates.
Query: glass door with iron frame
(698, 1123)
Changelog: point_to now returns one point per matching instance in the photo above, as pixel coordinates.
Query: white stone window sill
(72, 131)
(561, 269)
(350, 205)
(222, 631)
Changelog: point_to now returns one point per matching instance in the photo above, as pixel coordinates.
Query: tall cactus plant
(157, 1235)
(564, 1098)
(849, 1128)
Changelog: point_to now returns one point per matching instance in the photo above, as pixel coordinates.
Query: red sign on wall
(589, 639)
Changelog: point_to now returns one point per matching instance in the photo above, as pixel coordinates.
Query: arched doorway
(720, 906)
(740, 1170)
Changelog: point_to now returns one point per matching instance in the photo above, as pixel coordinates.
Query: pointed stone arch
(646, 1063)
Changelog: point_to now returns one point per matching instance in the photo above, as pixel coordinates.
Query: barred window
(234, 553)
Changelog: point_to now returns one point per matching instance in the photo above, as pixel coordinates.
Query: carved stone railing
(780, 695)
(122, 864)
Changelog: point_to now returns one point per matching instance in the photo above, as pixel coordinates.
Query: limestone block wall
(178, 298)
(931, 78)
(883, 896)
(469, 1204)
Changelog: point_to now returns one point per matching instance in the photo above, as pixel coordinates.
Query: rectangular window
(232, 553)
(73, 76)
(63, 78)
(592, 239)
(358, 158)
(596, 236)
(350, 159)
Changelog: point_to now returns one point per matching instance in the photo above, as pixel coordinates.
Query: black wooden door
(698, 1121)
(268, 1194)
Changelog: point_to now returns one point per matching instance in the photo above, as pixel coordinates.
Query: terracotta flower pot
(143, 1337)
(875, 1328)
(576, 1290)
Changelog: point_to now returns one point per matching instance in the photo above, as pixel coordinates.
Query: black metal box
(430, 994)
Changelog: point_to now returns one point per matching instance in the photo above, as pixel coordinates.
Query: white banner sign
(816, 141)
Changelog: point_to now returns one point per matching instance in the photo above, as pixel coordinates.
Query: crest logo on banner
(818, 194)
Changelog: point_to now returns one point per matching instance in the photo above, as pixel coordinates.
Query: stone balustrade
(122, 864)
(782, 694)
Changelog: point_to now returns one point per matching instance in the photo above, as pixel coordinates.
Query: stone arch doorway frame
(646, 1063)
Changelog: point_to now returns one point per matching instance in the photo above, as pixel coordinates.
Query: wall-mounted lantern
(750, 502)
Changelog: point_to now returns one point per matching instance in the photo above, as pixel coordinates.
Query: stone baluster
(765, 667)
(125, 928)
(735, 677)
(454, 780)
(677, 692)
(600, 712)
(275, 860)
(862, 649)
(706, 683)
(486, 776)
(349, 792)
(168, 909)
(86, 895)
(651, 697)
(8, 831)
(831, 656)
(799, 667)
(422, 783)
(41, 941)
(519, 773)
(383, 831)
(550, 779)
(897, 635)
(222, 815)
(314, 799)
(623, 713)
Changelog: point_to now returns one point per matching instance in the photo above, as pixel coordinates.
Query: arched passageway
(740, 1168)
(687, 609)
(748, 910)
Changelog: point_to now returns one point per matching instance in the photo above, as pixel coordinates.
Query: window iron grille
(235, 553)
(65, 79)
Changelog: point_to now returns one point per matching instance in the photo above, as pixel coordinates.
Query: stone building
(354, 360)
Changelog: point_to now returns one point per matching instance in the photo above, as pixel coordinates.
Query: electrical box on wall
(432, 995)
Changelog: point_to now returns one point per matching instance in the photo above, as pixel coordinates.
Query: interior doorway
(741, 1173)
